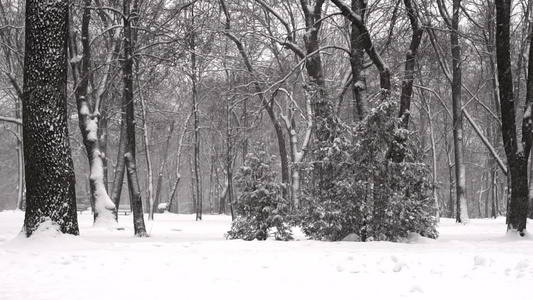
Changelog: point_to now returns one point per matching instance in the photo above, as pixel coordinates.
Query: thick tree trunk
(324, 117)
(516, 158)
(50, 182)
(135, 192)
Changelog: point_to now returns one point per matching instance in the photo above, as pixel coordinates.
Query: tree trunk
(89, 123)
(178, 162)
(49, 171)
(433, 156)
(356, 63)
(20, 178)
(451, 187)
(516, 158)
(119, 168)
(102, 141)
(397, 150)
(460, 170)
(494, 191)
(150, 203)
(194, 79)
(527, 122)
(159, 185)
(135, 192)
(229, 165)
(128, 103)
(193, 182)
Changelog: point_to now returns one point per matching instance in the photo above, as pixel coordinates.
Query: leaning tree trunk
(128, 103)
(50, 182)
(516, 158)
(88, 119)
(162, 164)
(118, 179)
(178, 175)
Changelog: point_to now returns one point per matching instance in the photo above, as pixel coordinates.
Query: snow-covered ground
(184, 259)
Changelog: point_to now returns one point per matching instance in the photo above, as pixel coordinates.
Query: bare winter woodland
(381, 107)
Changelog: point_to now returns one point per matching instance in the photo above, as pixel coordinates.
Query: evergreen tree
(260, 207)
(343, 202)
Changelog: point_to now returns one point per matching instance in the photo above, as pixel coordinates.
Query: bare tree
(128, 103)
(50, 182)
(460, 171)
(88, 117)
(517, 153)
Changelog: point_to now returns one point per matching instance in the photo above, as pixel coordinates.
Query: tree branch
(11, 120)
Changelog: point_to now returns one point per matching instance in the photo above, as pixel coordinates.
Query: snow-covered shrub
(410, 209)
(357, 188)
(260, 207)
(335, 205)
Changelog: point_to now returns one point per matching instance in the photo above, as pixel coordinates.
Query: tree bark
(128, 103)
(159, 184)
(516, 158)
(178, 161)
(461, 214)
(88, 119)
(397, 150)
(49, 171)
(194, 78)
(119, 168)
(150, 205)
(356, 63)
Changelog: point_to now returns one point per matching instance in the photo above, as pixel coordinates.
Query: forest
(371, 117)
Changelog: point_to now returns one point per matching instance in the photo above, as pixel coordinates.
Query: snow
(192, 260)
(103, 204)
